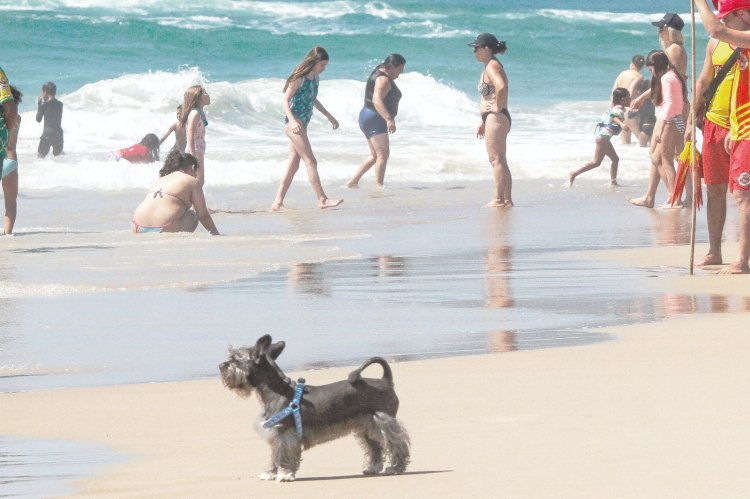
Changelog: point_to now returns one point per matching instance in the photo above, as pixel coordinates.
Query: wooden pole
(693, 169)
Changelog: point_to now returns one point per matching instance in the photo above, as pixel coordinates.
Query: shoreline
(588, 421)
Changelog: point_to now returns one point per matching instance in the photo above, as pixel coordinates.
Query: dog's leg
(290, 455)
(371, 441)
(272, 472)
(396, 441)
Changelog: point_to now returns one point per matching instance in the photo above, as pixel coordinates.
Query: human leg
(301, 145)
(669, 141)
(716, 177)
(740, 265)
(497, 127)
(598, 158)
(647, 200)
(10, 196)
(44, 145)
(286, 181)
(379, 152)
(609, 150)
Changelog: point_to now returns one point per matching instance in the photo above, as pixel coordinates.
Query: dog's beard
(235, 379)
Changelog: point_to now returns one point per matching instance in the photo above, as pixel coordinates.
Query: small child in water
(146, 151)
(180, 138)
(610, 125)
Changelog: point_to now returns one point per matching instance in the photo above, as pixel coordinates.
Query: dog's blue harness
(291, 409)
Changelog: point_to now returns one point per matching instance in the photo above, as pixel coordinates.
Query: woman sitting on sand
(493, 108)
(167, 205)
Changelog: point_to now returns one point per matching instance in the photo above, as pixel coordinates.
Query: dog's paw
(393, 470)
(372, 469)
(267, 475)
(285, 476)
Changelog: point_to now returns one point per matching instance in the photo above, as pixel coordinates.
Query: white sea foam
(435, 140)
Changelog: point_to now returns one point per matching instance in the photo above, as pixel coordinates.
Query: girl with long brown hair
(194, 120)
(300, 97)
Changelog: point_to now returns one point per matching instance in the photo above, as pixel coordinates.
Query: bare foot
(711, 259)
(329, 203)
(641, 202)
(571, 178)
(509, 203)
(668, 206)
(614, 183)
(735, 268)
(495, 203)
(278, 207)
(352, 184)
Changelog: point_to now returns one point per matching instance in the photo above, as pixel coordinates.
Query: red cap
(727, 6)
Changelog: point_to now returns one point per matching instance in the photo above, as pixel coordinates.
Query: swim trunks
(739, 166)
(303, 100)
(715, 157)
(8, 166)
(371, 123)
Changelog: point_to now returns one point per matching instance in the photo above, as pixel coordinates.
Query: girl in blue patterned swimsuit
(610, 125)
(300, 96)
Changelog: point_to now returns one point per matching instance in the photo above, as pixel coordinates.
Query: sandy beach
(659, 412)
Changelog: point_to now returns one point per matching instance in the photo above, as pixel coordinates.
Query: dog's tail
(356, 375)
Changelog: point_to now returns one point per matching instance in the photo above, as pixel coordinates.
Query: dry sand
(660, 412)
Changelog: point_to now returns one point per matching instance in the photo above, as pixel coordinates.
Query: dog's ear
(263, 342)
(275, 350)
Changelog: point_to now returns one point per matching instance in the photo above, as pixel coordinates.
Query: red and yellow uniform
(739, 117)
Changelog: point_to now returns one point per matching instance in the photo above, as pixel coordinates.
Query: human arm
(636, 103)
(634, 85)
(168, 133)
(295, 123)
(199, 203)
(382, 87)
(40, 108)
(717, 29)
(10, 113)
(324, 111)
(703, 81)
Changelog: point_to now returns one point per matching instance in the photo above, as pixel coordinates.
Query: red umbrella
(684, 163)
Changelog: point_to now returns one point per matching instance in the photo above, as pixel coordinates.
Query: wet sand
(660, 412)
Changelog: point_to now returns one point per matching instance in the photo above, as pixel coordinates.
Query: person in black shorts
(50, 109)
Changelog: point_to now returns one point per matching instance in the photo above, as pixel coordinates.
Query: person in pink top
(668, 91)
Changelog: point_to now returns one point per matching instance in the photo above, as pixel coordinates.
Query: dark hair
(638, 61)
(393, 61)
(177, 160)
(152, 142)
(660, 62)
(313, 57)
(50, 88)
(17, 95)
(619, 94)
(499, 48)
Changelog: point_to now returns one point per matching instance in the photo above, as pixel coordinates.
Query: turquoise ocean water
(122, 67)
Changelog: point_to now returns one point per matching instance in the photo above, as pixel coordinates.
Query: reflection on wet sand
(308, 278)
(671, 226)
(675, 305)
(498, 269)
(502, 341)
(389, 265)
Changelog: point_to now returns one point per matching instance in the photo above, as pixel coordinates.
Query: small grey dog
(296, 416)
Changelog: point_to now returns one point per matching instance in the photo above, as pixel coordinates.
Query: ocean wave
(435, 140)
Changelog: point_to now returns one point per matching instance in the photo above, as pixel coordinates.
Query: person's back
(50, 110)
(167, 201)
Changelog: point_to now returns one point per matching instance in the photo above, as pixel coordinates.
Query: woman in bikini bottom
(502, 111)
